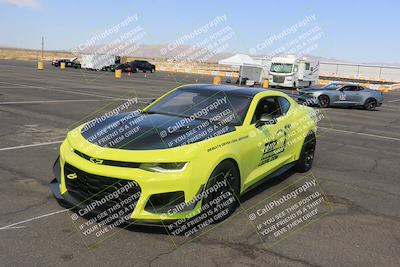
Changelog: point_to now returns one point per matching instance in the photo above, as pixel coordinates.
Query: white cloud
(22, 3)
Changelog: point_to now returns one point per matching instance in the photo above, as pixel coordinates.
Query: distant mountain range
(179, 53)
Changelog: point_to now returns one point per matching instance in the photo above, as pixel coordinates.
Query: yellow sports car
(192, 151)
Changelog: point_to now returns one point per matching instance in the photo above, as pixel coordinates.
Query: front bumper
(287, 84)
(309, 100)
(151, 184)
(68, 201)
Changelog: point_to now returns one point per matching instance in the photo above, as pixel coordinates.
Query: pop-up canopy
(240, 60)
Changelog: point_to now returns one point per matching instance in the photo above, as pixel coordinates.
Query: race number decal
(273, 149)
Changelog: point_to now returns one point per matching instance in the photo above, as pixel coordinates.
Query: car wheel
(306, 158)
(225, 178)
(370, 104)
(323, 101)
(294, 85)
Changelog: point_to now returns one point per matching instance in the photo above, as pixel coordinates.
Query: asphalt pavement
(356, 164)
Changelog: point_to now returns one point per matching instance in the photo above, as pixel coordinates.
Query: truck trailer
(96, 61)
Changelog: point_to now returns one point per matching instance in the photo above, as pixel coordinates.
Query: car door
(267, 142)
(359, 96)
(348, 95)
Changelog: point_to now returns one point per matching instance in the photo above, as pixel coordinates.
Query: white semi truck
(96, 61)
(292, 71)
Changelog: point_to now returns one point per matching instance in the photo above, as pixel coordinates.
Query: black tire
(306, 158)
(229, 194)
(370, 104)
(324, 101)
(294, 85)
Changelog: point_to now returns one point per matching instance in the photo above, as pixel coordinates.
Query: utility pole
(42, 46)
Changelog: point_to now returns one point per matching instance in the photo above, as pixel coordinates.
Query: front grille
(108, 162)
(95, 187)
(278, 79)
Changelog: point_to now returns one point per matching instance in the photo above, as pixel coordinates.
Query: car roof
(344, 84)
(228, 89)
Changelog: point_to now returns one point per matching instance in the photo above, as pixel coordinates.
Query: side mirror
(266, 119)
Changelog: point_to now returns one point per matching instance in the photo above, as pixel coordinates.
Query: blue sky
(359, 31)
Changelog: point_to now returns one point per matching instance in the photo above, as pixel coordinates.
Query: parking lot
(357, 165)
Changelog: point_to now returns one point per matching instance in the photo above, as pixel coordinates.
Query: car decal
(274, 148)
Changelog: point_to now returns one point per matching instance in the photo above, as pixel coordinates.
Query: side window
(284, 105)
(266, 106)
(360, 88)
(307, 66)
(350, 88)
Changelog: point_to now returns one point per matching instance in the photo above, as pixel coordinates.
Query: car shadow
(260, 187)
(266, 183)
(353, 107)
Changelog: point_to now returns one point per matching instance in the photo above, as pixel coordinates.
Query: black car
(69, 63)
(137, 65)
(57, 62)
(73, 64)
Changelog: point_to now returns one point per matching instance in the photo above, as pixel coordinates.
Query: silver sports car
(344, 95)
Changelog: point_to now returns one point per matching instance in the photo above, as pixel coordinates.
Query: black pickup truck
(137, 65)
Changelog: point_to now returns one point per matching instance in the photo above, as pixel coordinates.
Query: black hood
(136, 131)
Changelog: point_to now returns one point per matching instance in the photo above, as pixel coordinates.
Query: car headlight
(289, 79)
(164, 167)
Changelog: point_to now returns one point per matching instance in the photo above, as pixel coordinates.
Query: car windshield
(332, 86)
(281, 67)
(203, 105)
